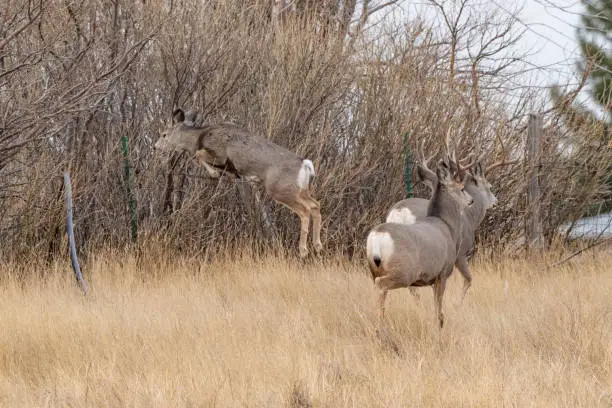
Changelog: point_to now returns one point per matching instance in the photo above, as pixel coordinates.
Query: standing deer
(230, 148)
(422, 253)
(410, 210)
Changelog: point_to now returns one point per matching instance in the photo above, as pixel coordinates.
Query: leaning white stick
(70, 231)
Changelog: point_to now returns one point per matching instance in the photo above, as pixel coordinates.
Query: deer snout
(159, 144)
(494, 201)
(469, 199)
(491, 200)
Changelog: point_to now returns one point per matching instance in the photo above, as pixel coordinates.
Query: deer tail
(379, 249)
(305, 174)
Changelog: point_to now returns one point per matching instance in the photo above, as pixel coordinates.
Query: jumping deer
(227, 147)
(410, 210)
(422, 253)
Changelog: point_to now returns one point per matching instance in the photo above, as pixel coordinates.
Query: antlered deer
(410, 210)
(233, 149)
(423, 253)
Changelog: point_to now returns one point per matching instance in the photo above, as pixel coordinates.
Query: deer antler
(421, 153)
(449, 152)
(465, 167)
(503, 162)
(469, 161)
(424, 173)
(452, 154)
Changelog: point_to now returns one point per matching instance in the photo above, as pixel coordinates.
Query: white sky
(550, 37)
(552, 34)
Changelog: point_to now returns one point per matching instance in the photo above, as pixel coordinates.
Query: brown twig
(562, 261)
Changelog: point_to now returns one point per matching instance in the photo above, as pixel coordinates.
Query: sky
(550, 37)
(551, 31)
(551, 34)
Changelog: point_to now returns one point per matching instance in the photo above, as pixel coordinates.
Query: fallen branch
(579, 252)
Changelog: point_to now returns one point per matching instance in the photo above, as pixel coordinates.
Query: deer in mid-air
(422, 253)
(410, 210)
(227, 147)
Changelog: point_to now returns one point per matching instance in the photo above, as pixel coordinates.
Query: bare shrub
(77, 78)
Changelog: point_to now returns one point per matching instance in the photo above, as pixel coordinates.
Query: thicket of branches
(325, 78)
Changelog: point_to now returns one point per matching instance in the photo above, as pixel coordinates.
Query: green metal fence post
(407, 167)
(128, 181)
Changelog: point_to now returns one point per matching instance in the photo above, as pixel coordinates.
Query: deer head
(169, 137)
(477, 177)
(451, 181)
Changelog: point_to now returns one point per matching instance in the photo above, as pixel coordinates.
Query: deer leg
(202, 157)
(316, 229)
(462, 265)
(304, 224)
(315, 213)
(304, 213)
(384, 284)
(381, 297)
(438, 288)
(296, 205)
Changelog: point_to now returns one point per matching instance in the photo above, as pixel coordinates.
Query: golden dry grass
(268, 333)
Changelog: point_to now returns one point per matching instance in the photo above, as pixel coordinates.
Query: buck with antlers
(413, 209)
(422, 253)
(230, 148)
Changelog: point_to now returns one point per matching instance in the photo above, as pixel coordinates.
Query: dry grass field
(272, 333)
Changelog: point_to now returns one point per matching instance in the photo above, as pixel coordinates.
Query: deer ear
(426, 176)
(443, 172)
(477, 169)
(178, 116)
(452, 165)
(444, 163)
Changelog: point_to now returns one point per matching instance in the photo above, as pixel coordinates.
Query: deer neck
(443, 206)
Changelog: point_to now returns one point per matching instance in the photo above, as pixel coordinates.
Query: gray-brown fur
(479, 188)
(423, 253)
(233, 149)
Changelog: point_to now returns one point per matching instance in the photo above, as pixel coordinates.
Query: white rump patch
(304, 175)
(379, 245)
(401, 216)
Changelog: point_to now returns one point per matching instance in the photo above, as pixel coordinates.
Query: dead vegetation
(173, 331)
(324, 79)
